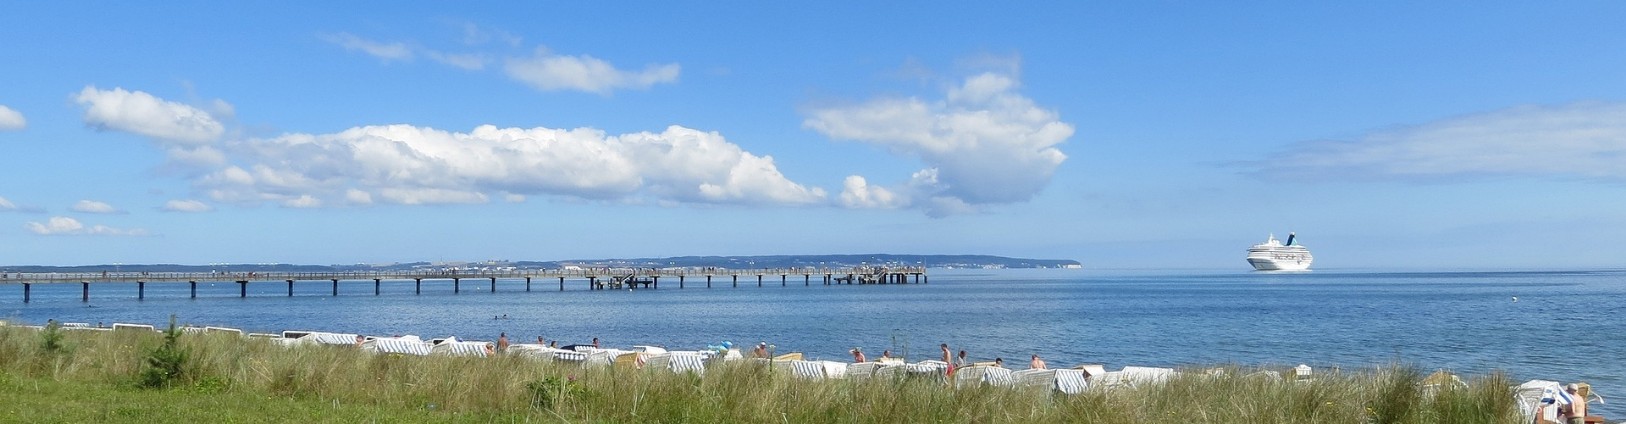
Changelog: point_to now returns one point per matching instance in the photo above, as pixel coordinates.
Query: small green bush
(166, 364)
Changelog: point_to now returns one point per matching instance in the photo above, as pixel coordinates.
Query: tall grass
(509, 388)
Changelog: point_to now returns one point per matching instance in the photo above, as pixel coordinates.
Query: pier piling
(141, 290)
(290, 288)
(527, 283)
(335, 287)
(417, 286)
(493, 284)
(242, 288)
(26, 287)
(561, 283)
(194, 289)
(85, 297)
(377, 282)
(457, 284)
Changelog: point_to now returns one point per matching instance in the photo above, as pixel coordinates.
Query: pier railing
(443, 274)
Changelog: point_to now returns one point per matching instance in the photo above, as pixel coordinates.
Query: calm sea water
(1564, 326)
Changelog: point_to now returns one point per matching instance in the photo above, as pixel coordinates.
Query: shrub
(167, 363)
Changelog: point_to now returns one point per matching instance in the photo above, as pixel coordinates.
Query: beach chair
(406, 345)
(1303, 373)
(223, 330)
(809, 370)
(833, 369)
(119, 326)
(862, 371)
(451, 346)
(977, 375)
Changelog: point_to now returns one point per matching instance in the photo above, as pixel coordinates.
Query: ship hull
(1279, 265)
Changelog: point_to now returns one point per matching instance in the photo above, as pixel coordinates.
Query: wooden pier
(594, 278)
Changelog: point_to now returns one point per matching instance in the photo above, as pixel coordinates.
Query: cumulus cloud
(61, 225)
(188, 205)
(381, 50)
(547, 71)
(410, 165)
(92, 206)
(1584, 140)
(141, 113)
(11, 120)
(984, 143)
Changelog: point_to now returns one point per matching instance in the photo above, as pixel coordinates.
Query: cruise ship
(1272, 255)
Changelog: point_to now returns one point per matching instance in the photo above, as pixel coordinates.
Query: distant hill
(732, 262)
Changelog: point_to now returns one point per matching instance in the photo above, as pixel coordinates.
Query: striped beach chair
(409, 345)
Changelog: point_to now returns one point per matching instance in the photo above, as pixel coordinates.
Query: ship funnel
(1290, 239)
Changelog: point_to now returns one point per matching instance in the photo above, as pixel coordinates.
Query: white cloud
(302, 202)
(61, 225)
(984, 143)
(475, 35)
(141, 113)
(552, 72)
(472, 62)
(186, 206)
(92, 206)
(8, 206)
(857, 193)
(11, 120)
(384, 51)
(404, 164)
(1585, 140)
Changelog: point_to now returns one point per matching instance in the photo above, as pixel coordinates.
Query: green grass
(77, 376)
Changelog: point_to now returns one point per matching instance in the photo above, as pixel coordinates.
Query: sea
(1562, 325)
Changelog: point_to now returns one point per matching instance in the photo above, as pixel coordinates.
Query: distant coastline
(728, 262)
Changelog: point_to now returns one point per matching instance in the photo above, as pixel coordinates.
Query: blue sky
(1142, 135)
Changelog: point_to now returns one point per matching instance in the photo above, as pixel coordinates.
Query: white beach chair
(862, 371)
(223, 330)
(451, 346)
(977, 375)
(119, 326)
(331, 339)
(405, 345)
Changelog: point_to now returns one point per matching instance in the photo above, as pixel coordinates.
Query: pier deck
(595, 278)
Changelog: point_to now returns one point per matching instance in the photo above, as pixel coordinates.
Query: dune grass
(98, 376)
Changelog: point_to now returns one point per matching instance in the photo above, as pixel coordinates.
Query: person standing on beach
(595, 343)
(1036, 363)
(1575, 412)
(502, 342)
(960, 361)
(858, 355)
(948, 360)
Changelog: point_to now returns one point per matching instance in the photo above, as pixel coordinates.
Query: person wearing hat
(1575, 411)
(761, 350)
(858, 355)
